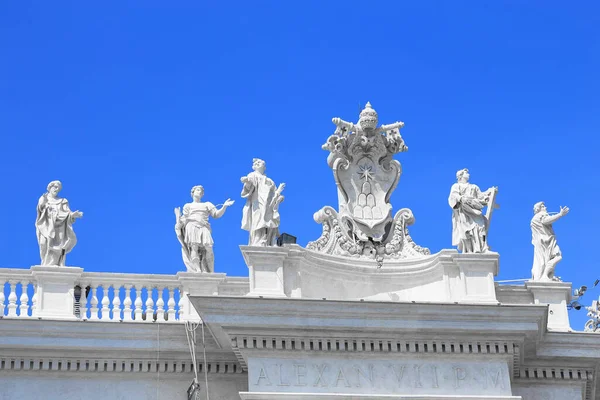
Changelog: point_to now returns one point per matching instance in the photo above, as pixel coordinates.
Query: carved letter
(496, 379)
(300, 374)
(281, 382)
(320, 370)
(341, 377)
(398, 374)
(418, 383)
(360, 372)
(459, 375)
(434, 378)
(263, 375)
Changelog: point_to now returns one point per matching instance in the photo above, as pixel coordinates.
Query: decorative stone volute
(361, 157)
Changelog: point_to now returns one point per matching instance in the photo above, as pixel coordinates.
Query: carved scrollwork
(361, 157)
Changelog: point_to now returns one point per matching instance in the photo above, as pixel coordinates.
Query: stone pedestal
(266, 270)
(197, 284)
(55, 291)
(556, 295)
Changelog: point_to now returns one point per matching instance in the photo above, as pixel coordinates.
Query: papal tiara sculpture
(361, 157)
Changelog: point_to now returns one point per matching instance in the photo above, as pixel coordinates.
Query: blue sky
(130, 104)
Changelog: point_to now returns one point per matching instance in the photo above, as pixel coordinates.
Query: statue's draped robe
(545, 248)
(54, 230)
(260, 215)
(193, 228)
(468, 222)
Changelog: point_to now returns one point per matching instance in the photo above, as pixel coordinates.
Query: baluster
(34, 300)
(12, 299)
(137, 313)
(105, 302)
(24, 300)
(160, 305)
(181, 303)
(127, 304)
(2, 298)
(171, 305)
(150, 305)
(94, 304)
(116, 303)
(83, 301)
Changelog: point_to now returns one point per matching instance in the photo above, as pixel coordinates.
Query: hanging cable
(190, 333)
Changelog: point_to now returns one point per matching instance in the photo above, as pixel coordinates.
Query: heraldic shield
(361, 157)
(366, 187)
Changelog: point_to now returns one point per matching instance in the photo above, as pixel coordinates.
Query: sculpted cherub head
(463, 175)
(259, 165)
(368, 118)
(54, 187)
(197, 192)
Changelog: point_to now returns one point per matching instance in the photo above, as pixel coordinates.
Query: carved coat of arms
(366, 175)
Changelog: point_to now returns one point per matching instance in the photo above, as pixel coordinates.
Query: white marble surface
(261, 212)
(546, 253)
(194, 232)
(54, 226)
(364, 375)
(361, 158)
(470, 224)
(447, 276)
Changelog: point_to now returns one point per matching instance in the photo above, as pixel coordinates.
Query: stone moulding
(95, 365)
(317, 396)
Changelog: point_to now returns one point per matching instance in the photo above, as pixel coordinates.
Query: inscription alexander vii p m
(340, 376)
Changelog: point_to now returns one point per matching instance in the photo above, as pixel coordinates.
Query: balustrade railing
(110, 297)
(17, 293)
(128, 297)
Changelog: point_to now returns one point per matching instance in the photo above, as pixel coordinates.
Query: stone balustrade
(69, 293)
(17, 299)
(128, 297)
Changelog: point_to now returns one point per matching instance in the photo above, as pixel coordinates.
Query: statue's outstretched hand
(228, 203)
(564, 210)
(77, 214)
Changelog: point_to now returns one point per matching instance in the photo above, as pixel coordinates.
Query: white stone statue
(194, 233)
(546, 253)
(54, 226)
(365, 172)
(469, 224)
(261, 212)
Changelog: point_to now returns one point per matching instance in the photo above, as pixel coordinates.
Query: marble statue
(194, 233)
(546, 253)
(469, 224)
(261, 211)
(54, 226)
(361, 158)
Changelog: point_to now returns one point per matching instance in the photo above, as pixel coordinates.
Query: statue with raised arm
(261, 212)
(546, 253)
(54, 226)
(194, 233)
(469, 223)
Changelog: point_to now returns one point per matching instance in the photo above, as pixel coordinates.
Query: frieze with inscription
(320, 375)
